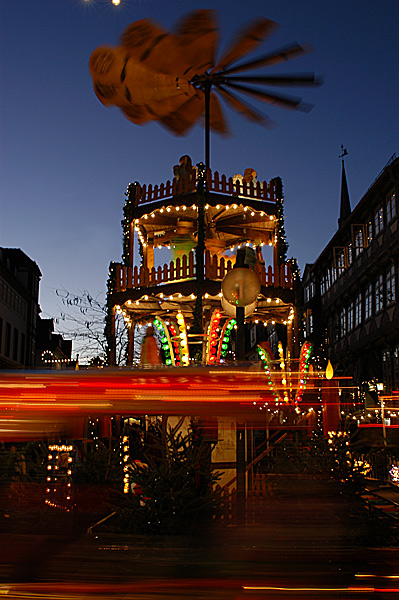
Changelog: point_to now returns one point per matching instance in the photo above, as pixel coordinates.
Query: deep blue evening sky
(66, 160)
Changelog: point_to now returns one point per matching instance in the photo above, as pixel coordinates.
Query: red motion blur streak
(43, 402)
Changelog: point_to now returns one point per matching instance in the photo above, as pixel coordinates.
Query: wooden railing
(185, 268)
(216, 183)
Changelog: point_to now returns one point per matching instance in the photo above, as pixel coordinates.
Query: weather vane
(174, 77)
(344, 152)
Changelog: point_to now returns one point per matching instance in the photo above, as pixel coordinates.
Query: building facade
(19, 307)
(350, 293)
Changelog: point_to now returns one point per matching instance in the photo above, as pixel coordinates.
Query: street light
(241, 288)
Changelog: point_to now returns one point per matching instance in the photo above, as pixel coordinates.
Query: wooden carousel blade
(274, 58)
(182, 119)
(280, 100)
(283, 80)
(251, 36)
(244, 109)
(217, 120)
(197, 35)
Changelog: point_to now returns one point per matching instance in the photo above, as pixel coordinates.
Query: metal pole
(207, 91)
(240, 343)
(240, 439)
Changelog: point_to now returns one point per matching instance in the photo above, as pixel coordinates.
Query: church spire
(345, 205)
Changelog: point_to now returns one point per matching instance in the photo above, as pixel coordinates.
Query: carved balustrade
(182, 269)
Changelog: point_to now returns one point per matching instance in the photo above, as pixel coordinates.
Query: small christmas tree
(172, 490)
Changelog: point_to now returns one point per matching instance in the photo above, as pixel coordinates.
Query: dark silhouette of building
(26, 340)
(52, 351)
(350, 293)
(19, 306)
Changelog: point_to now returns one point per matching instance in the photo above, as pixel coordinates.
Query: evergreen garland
(282, 245)
(127, 219)
(108, 330)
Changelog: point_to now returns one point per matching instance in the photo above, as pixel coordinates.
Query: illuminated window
(368, 301)
(358, 310)
(378, 220)
(358, 239)
(390, 285)
(391, 207)
(379, 293)
(349, 317)
(342, 322)
(309, 292)
(369, 231)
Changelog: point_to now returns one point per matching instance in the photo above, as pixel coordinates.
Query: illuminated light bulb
(116, 2)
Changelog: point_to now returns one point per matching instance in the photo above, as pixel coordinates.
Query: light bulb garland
(306, 351)
(125, 459)
(212, 338)
(225, 338)
(165, 341)
(184, 355)
(176, 345)
(267, 365)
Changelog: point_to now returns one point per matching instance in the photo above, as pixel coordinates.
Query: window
(350, 254)
(391, 207)
(358, 237)
(336, 328)
(358, 310)
(7, 348)
(349, 317)
(378, 220)
(369, 232)
(310, 323)
(368, 301)
(379, 293)
(309, 291)
(15, 345)
(390, 285)
(342, 322)
(22, 349)
(304, 328)
(339, 259)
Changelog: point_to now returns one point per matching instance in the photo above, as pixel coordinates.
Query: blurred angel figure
(150, 354)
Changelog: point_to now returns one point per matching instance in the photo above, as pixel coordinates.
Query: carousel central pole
(207, 92)
(202, 191)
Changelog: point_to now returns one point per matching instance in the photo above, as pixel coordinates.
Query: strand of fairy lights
(54, 477)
